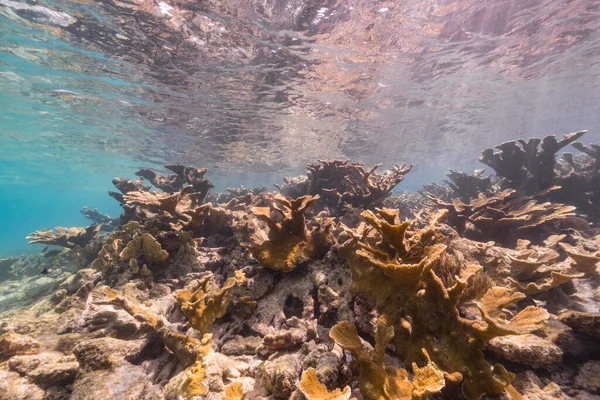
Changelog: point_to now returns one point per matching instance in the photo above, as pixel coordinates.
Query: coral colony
(332, 288)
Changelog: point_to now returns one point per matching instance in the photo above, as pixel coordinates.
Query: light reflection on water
(92, 90)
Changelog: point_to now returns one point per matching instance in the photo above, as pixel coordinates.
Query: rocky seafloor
(332, 287)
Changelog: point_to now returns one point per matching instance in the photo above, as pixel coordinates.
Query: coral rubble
(334, 288)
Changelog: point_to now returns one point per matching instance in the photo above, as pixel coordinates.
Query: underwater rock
(528, 382)
(15, 387)
(281, 375)
(241, 345)
(83, 277)
(14, 344)
(123, 382)
(588, 323)
(588, 377)
(46, 368)
(526, 349)
(105, 352)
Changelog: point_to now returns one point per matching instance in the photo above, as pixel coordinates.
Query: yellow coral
(423, 311)
(289, 241)
(315, 390)
(544, 284)
(584, 261)
(203, 306)
(146, 245)
(190, 351)
(193, 384)
(380, 381)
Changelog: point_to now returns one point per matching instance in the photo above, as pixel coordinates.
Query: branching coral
(395, 268)
(523, 165)
(180, 210)
(65, 237)
(583, 260)
(126, 185)
(380, 381)
(98, 217)
(132, 244)
(468, 186)
(537, 269)
(315, 390)
(289, 240)
(188, 350)
(181, 207)
(507, 216)
(207, 303)
(183, 175)
(342, 184)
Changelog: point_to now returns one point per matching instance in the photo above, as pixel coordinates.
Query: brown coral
(65, 237)
(380, 381)
(289, 240)
(395, 268)
(207, 303)
(342, 184)
(315, 390)
(507, 216)
(583, 260)
(523, 165)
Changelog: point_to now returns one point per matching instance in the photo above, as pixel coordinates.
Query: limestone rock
(123, 382)
(116, 322)
(588, 323)
(12, 344)
(46, 368)
(526, 349)
(528, 384)
(79, 279)
(588, 378)
(281, 375)
(240, 345)
(15, 387)
(105, 352)
(220, 369)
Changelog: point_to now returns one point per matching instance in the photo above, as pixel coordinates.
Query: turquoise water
(91, 91)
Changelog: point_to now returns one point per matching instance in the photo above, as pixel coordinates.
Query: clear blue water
(94, 90)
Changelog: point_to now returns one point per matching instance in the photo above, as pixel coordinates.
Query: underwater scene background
(286, 199)
(94, 90)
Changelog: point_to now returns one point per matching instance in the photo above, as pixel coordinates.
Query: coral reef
(396, 268)
(288, 241)
(507, 216)
(65, 237)
(488, 288)
(524, 165)
(340, 184)
(468, 186)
